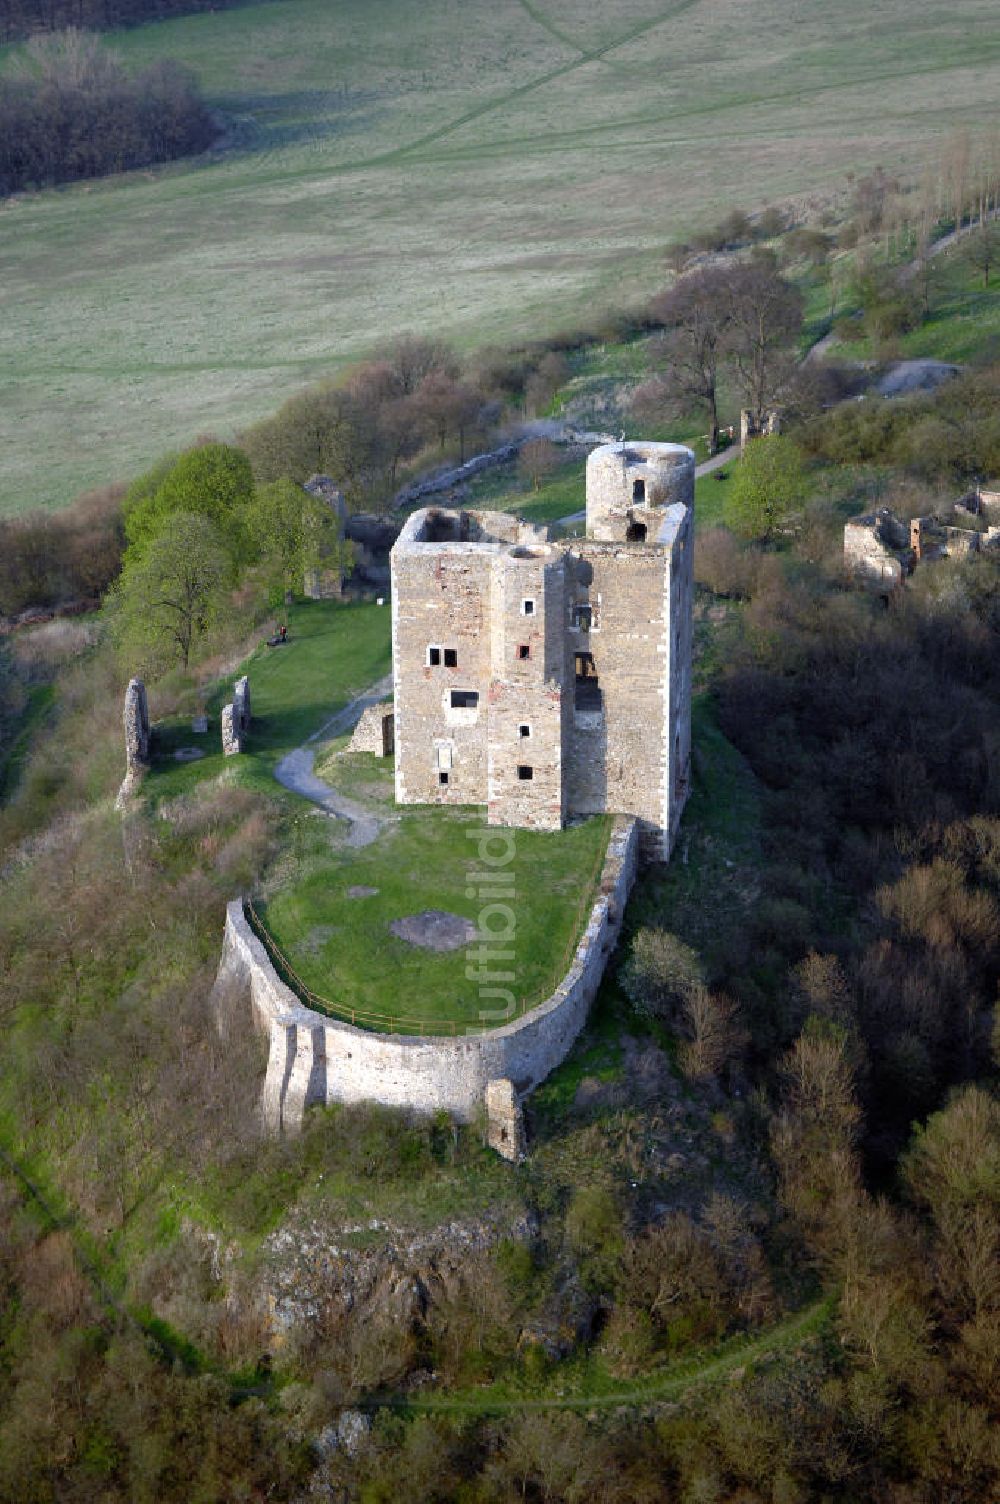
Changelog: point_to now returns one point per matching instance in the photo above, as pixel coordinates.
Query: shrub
(660, 974)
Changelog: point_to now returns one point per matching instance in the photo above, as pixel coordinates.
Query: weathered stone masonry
(316, 1059)
(545, 680)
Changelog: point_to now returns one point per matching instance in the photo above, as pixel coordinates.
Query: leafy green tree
(214, 482)
(170, 593)
(768, 486)
(293, 531)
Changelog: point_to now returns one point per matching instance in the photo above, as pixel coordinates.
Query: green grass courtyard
(330, 906)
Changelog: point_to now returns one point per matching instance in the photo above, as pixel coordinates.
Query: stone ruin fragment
(137, 737)
(236, 719)
(505, 1120)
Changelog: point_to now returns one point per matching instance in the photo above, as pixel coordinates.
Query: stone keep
(136, 720)
(546, 680)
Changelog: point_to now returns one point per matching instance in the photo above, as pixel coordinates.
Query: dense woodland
(828, 1006)
(25, 18)
(69, 110)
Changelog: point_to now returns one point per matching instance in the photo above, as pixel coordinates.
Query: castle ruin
(549, 679)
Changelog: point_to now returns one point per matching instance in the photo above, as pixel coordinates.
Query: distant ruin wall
(316, 1059)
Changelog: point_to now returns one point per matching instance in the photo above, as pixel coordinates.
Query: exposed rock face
(311, 1269)
(504, 1120)
(136, 719)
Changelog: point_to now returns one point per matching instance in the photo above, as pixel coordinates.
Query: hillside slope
(476, 169)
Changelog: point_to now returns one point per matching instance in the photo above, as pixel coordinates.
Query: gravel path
(295, 771)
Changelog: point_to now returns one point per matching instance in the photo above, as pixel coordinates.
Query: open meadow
(476, 170)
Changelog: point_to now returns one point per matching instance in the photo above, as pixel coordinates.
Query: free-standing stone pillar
(136, 721)
(232, 739)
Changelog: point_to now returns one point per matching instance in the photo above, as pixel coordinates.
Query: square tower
(551, 679)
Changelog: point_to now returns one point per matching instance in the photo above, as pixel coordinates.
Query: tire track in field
(568, 140)
(549, 26)
(591, 55)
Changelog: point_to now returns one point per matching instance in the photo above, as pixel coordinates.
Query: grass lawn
(481, 172)
(334, 651)
(341, 947)
(710, 492)
(506, 490)
(964, 324)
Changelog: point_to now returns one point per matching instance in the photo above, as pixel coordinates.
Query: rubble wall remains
(315, 1059)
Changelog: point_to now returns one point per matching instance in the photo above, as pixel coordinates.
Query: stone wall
(316, 1059)
(876, 550)
(374, 731)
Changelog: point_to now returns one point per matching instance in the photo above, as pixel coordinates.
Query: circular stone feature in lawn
(189, 754)
(360, 891)
(435, 929)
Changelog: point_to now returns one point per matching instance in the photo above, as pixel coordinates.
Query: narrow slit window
(523, 651)
(639, 491)
(524, 773)
(451, 658)
(433, 657)
(464, 699)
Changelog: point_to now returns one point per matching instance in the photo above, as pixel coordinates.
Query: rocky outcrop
(311, 1268)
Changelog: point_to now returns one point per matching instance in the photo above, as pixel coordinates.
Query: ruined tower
(550, 679)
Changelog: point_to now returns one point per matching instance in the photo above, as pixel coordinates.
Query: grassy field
(334, 652)
(340, 945)
(482, 170)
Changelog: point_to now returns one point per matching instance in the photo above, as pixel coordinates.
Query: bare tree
(688, 356)
(763, 317)
(983, 249)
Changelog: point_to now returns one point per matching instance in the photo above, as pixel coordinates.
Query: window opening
(525, 774)
(639, 490)
(451, 658)
(433, 657)
(464, 699)
(523, 651)
(588, 687)
(524, 730)
(636, 532)
(443, 777)
(527, 608)
(583, 618)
